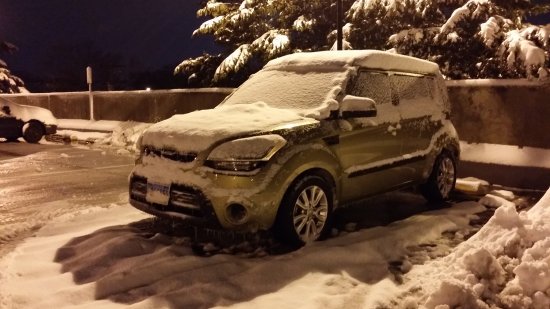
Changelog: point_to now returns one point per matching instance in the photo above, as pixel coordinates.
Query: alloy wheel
(310, 213)
(446, 176)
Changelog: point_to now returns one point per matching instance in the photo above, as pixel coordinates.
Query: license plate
(158, 193)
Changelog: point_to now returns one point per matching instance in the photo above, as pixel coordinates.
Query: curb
(67, 139)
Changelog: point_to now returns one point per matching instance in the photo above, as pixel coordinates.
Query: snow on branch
(209, 26)
(302, 23)
(471, 10)
(234, 62)
(494, 28)
(517, 46)
(214, 8)
(271, 43)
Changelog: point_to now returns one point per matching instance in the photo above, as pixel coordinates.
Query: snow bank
(125, 135)
(505, 265)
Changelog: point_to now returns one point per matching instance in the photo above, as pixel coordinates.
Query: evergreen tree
(467, 38)
(9, 83)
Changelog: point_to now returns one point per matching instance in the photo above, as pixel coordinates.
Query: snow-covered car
(29, 122)
(306, 134)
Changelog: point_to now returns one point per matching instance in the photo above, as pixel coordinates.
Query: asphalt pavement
(39, 182)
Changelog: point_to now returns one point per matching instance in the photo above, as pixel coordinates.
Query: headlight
(245, 154)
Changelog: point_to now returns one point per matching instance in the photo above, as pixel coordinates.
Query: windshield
(299, 90)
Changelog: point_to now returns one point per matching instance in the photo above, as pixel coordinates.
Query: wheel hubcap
(310, 213)
(446, 176)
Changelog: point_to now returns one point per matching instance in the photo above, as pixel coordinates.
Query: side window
(372, 85)
(412, 88)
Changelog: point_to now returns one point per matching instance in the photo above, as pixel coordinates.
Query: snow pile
(506, 264)
(471, 185)
(125, 135)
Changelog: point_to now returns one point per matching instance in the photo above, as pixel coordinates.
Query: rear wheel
(305, 213)
(33, 131)
(442, 179)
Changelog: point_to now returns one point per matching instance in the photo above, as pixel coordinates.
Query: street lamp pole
(339, 34)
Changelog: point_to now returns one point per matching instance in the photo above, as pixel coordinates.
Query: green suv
(307, 134)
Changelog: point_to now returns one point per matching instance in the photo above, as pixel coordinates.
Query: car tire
(305, 213)
(442, 180)
(33, 131)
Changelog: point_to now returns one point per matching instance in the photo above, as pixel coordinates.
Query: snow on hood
(26, 113)
(196, 131)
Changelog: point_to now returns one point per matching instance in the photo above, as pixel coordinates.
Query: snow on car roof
(372, 59)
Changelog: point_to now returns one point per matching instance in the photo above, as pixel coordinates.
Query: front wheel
(442, 179)
(305, 212)
(33, 132)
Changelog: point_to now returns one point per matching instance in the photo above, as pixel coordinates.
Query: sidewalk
(83, 125)
(82, 131)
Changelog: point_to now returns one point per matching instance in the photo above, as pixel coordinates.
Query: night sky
(152, 34)
(147, 35)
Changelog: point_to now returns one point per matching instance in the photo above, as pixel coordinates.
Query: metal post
(90, 94)
(340, 36)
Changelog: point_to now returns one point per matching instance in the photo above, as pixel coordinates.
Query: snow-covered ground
(107, 257)
(111, 257)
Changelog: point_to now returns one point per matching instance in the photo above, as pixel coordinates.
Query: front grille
(169, 154)
(186, 200)
(183, 199)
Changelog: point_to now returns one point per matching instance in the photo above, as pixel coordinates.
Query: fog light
(236, 213)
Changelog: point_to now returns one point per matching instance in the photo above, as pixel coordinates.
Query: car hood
(199, 130)
(26, 113)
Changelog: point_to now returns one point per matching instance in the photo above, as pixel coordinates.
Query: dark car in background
(29, 122)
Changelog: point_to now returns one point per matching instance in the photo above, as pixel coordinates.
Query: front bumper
(210, 205)
(50, 129)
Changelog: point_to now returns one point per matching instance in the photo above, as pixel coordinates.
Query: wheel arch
(313, 171)
(40, 123)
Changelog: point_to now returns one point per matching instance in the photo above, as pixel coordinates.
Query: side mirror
(357, 107)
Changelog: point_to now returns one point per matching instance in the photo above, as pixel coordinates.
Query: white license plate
(158, 193)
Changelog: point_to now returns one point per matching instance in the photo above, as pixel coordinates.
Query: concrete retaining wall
(143, 106)
(502, 112)
(493, 112)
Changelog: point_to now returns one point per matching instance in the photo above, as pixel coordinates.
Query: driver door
(368, 146)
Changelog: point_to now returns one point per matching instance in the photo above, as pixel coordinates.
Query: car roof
(369, 59)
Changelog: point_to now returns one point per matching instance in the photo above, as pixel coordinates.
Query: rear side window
(416, 96)
(412, 88)
(372, 85)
